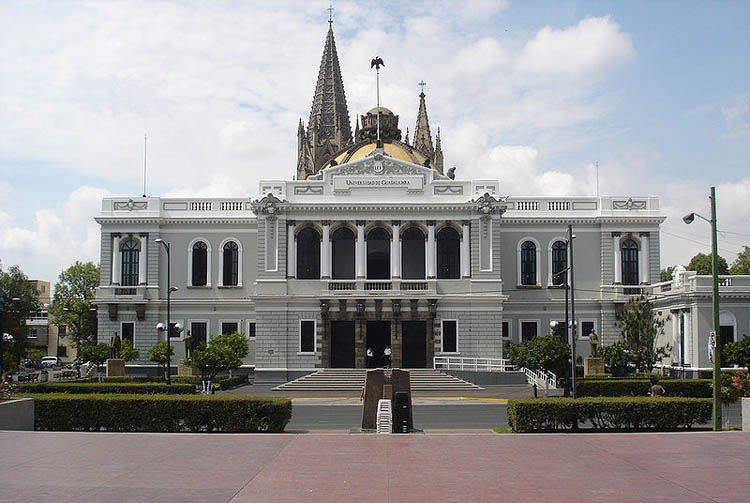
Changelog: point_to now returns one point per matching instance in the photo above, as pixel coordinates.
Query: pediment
(377, 164)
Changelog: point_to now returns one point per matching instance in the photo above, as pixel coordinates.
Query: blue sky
(532, 93)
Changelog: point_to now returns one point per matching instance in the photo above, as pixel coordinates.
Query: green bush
(608, 413)
(146, 388)
(161, 413)
(691, 388)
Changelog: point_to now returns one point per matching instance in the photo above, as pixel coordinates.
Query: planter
(17, 414)
(746, 414)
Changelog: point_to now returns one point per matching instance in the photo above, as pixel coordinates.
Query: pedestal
(184, 370)
(746, 414)
(593, 366)
(115, 367)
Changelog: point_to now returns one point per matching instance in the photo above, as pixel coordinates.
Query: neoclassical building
(369, 243)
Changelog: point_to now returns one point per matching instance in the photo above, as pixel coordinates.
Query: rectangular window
(506, 330)
(529, 330)
(62, 350)
(229, 327)
(586, 328)
(127, 332)
(251, 329)
(199, 333)
(32, 333)
(62, 331)
(449, 335)
(173, 333)
(307, 336)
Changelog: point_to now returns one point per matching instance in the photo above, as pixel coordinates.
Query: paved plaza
(341, 467)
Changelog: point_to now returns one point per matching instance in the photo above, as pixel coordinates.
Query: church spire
(438, 159)
(422, 136)
(329, 124)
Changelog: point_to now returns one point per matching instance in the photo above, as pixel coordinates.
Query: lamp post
(79, 314)
(2, 322)
(170, 289)
(573, 326)
(689, 219)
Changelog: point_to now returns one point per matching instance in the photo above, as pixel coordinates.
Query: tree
(158, 354)
(701, 264)
(225, 352)
(738, 353)
(74, 291)
(741, 265)
(546, 352)
(13, 313)
(94, 353)
(616, 359)
(666, 274)
(128, 352)
(640, 331)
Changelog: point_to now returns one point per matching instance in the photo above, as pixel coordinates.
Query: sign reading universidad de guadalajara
(409, 182)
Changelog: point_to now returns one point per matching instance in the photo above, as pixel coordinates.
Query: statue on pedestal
(116, 349)
(188, 345)
(593, 342)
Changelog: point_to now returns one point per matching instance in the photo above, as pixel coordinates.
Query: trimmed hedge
(160, 413)
(691, 388)
(608, 413)
(222, 383)
(145, 388)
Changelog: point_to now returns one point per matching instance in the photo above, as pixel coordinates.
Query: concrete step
(353, 379)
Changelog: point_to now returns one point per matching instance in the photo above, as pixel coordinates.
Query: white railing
(231, 205)
(541, 378)
(341, 286)
(377, 285)
(384, 418)
(201, 205)
(472, 364)
(410, 286)
(558, 205)
(527, 205)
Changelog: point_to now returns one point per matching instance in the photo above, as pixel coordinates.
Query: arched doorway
(412, 253)
(342, 250)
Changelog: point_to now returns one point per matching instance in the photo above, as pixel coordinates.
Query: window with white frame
(199, 332)
(449, 336)
(199, 262)
(307, 336)
(587, 326)
(528, 253)
(230, 263)
(529, 329)
(127, 332)
(173, 333)
(130, 253)
(505, 330)
(558, 262)
(230, 327)
(251, 329)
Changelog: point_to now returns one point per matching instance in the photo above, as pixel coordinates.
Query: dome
(395, 149)
(383, 111)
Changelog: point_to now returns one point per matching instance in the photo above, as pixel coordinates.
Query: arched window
(528, 263)
(131, 251)
(308, 254)
(200, 264)
(629, 250)
(342, 250)
(448, 254)
(230, 274)
(378, 254)
(559, 262)
(412, 253)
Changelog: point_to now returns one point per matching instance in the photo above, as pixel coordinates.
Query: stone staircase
(353, 379)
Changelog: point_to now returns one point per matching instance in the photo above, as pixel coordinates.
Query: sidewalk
(611, 468)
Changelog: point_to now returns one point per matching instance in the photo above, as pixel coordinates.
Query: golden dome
(395, 149)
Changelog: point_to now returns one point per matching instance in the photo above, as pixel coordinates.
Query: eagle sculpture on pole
(377, 62)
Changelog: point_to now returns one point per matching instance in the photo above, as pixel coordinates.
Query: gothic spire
(329, 116)
(438, 159)
(422, 137)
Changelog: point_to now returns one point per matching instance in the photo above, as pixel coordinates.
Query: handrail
(471, 364)
(541, 378)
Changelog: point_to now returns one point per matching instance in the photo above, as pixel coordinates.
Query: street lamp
(573, 326)
(689, 219)
(170, 289)
(2, 322)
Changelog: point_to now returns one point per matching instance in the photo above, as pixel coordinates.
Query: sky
(536, 94)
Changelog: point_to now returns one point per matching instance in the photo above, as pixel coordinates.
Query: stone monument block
(184, 370)
(115, 367)
(593, 366)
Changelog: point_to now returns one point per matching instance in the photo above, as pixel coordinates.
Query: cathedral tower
(328, 129)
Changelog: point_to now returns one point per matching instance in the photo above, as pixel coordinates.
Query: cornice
(583, 220)
(178, 221)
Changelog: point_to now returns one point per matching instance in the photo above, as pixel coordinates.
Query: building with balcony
(371, 244)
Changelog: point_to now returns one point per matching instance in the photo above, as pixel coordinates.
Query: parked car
(51, 361)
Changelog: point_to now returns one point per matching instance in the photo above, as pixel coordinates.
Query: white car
(51, 361)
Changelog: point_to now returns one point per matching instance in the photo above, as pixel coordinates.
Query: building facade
(371, 244)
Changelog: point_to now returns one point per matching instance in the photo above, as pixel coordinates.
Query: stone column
(430, 250)
(291, 250)
(143, 260)
(465, 250)
(675, 338)
(325, 252)
(617, 257)
(396, 250)
(644, 262)
(116, 259)
(360, 251)
(688, 357)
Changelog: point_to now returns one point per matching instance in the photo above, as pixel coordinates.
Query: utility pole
(716, 324)
(572, 309)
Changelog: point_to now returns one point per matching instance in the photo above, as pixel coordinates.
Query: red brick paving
(561, 468)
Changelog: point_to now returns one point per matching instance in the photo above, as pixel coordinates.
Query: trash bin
(401, 412)
(43, 376)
